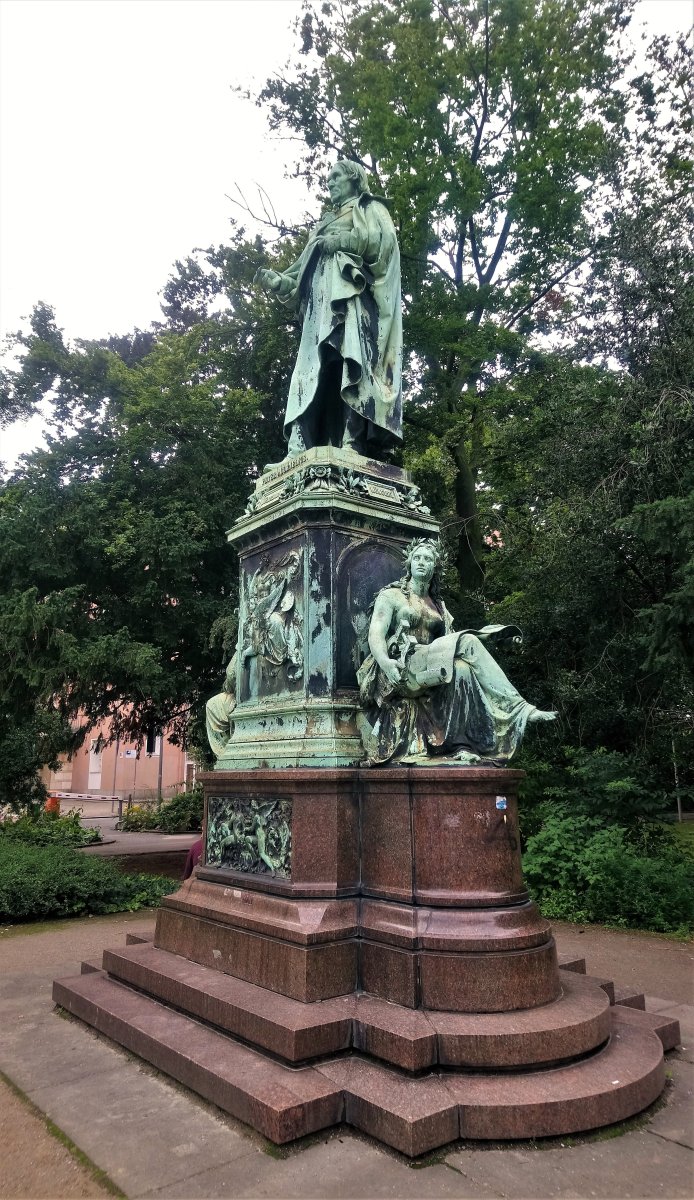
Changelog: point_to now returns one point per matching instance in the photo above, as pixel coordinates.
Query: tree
(592, 479)
(490, 126)
(116, 586)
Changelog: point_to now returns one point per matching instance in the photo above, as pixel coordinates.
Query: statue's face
(340, 186)
(423, 564)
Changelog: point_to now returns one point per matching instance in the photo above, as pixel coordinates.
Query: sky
(121, 138)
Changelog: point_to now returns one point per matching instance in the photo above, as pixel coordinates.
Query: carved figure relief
(272, 636)
(251, 834)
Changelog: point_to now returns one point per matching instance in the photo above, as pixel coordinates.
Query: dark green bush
(181, 814)
(39, 882)
(579, 869)
(50, 830)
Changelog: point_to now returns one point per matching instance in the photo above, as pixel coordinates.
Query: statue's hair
(354, 171)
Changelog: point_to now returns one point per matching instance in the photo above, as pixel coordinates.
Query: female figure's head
(424, 561)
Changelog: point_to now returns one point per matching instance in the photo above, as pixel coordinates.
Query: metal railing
(91, 796)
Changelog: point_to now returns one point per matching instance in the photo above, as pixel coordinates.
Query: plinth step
(414, 1115)
(414, 1040)
(666, 1028)
(282, 1103)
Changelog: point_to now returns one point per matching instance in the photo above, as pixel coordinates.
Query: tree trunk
(470, 554)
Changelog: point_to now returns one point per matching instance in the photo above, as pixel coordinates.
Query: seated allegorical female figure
(430, 694)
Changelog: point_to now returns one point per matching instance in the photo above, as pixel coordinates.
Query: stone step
(607, 1087)
(89, 966)
(629, 997)
(666, 1028)
(135, 937)
(414, 1115)
(573, 964)
(607, 985)
(285, 1027)
(281, 1102)
(411, 1039)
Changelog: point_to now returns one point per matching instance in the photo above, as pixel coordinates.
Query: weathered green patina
(429, 693)
(346, 385)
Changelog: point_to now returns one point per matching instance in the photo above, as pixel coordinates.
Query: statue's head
(345, 180)
(425, 558)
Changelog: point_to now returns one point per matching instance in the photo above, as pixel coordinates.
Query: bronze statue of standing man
(346, 386)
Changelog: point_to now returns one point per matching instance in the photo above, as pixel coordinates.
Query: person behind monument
(346, 386)
(429, 692)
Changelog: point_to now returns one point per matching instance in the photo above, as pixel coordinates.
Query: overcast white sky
(119, 139)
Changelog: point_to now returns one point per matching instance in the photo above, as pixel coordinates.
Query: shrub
(137, 818)
(47, 830)
(181, 814)
(579, 869)
(39, 882)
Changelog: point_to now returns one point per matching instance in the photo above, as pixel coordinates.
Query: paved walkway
(153, 1138)
(116, 843)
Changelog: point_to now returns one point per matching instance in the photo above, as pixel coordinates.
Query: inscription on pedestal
(251, 834)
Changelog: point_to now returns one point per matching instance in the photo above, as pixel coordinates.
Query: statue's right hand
(392, 671)
(268, 278)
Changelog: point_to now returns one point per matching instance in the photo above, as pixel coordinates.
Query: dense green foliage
(579, 869)
(50, 830)
(183, 813)
(39, 882)
(542, 195)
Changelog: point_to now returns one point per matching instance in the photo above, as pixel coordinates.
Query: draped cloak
(459, 700)
(351, 308)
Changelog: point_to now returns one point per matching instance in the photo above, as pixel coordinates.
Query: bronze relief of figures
(271, 643)
(249, 834)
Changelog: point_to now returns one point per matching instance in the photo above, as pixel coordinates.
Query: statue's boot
(295, 446)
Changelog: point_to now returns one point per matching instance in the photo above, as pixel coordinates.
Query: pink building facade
(121, 769)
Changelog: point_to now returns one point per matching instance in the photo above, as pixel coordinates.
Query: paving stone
(40, 1050)
(35, 1163)
(138, 1128)
(341, 1167)
(632, 1167)
(676, 1120)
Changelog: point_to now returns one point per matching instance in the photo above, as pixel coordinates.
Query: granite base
(393, 978)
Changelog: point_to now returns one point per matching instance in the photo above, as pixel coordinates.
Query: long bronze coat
(351, 307)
